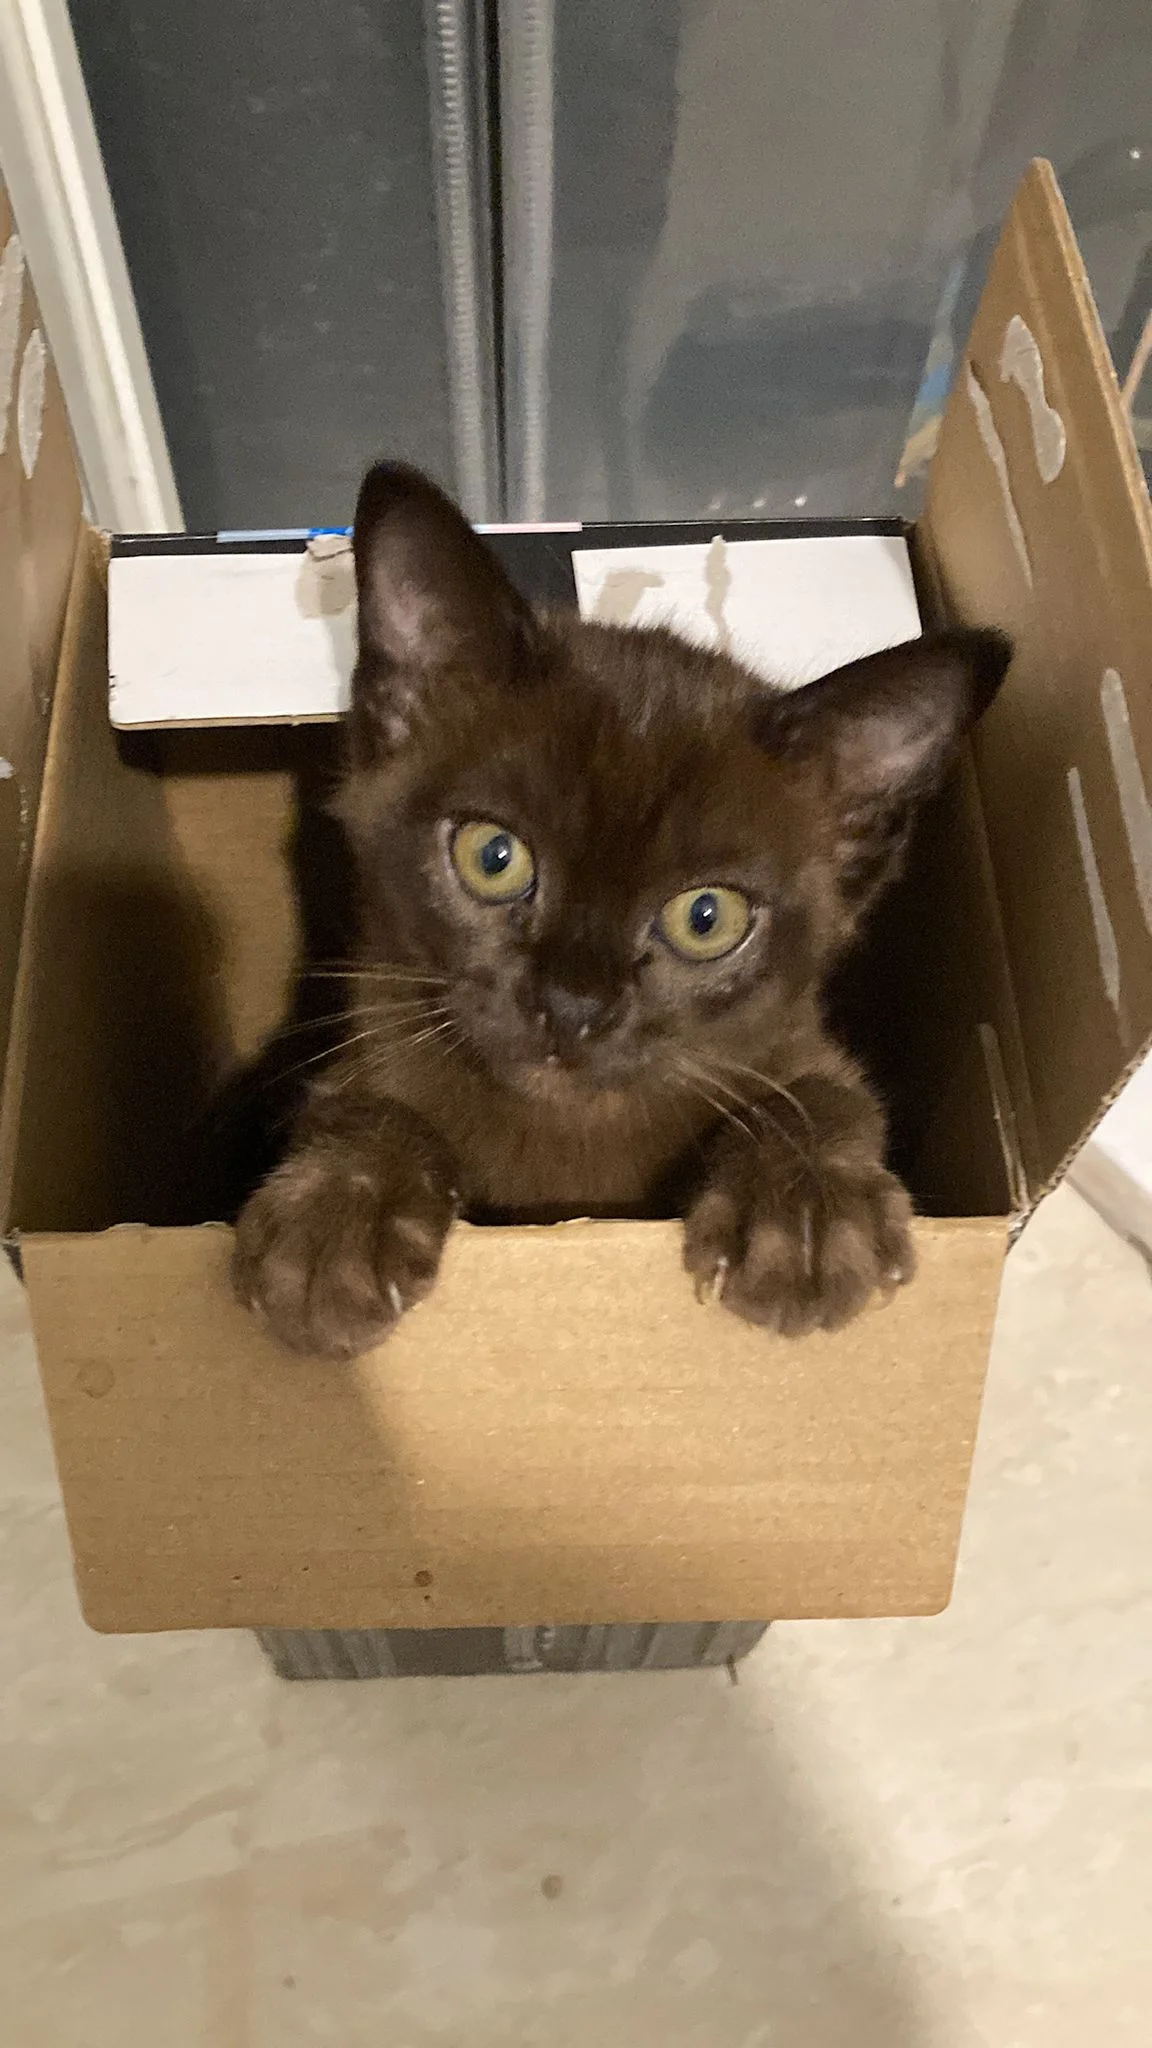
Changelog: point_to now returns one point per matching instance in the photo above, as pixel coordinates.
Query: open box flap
(1038, 521)
(39, 523)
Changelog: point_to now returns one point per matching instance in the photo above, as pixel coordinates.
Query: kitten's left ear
(886, 729)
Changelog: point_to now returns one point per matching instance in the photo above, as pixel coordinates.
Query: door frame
(52, 166)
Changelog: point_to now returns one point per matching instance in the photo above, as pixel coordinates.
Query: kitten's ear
(431, 598)
(886, 729)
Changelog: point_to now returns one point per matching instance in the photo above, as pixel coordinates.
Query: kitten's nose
(574, 1015)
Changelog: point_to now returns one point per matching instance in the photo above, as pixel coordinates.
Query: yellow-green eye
(491, 862)
(704, 924)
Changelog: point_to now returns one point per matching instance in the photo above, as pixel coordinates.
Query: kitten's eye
(704, 924)
(491, 862)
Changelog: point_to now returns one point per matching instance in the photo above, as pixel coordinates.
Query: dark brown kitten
(603, 879)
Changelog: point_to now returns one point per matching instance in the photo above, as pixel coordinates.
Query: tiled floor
(889, 1835)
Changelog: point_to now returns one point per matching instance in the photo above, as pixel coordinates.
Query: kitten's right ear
(885, 730)
(431, 599)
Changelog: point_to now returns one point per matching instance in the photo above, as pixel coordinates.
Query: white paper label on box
(791, 609)
(221, 638)
(224, 637)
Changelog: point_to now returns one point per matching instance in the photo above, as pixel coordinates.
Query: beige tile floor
(888, 1835)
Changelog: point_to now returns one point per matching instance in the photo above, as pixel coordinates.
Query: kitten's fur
(554, 1056)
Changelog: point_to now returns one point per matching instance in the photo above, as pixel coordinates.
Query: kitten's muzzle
(572, 1018)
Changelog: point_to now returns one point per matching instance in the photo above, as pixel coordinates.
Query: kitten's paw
(799, 1257)
(331, 1259)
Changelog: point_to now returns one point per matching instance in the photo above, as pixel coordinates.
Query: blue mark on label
(251, 533)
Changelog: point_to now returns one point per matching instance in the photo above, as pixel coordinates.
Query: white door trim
(54, 172)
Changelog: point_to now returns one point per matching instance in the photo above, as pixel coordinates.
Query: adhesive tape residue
(1106, 947)
(1021, 363)
(11, 298)
(326, 585)
(1134, 806)
(994, 447)
(30, 400)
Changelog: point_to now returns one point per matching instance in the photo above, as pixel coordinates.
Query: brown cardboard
(39, 521)
(110, 1051)
(1087, 610)
(561, 1429)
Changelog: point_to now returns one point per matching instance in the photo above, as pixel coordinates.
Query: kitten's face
(605, 874)
(617, 855)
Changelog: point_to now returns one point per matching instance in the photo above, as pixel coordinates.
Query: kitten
(603, 878)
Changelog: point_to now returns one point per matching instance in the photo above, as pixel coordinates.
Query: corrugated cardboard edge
(40, 519)
(1008, 1071)
(87, 574)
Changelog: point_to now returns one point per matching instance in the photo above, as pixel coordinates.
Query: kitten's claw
(330, 1257)
(776, 1258)
(710, 1287)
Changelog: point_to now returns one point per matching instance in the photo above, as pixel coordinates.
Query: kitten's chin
(559, 1083)
(557, 1086)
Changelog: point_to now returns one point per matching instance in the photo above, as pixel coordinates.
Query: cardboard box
(561, 1430)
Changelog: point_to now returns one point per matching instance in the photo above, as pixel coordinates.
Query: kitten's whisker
(696, 1086)
(806, 1155)
(758, 1110)
(308, 1024)
(352, 1012)
(715, 1080)
(376, 1071)
(327, 1052)
(359, 962)
(356, 972)
(689, 1064)
(387, 1007)
(390, 1047)
(433, 1031)
(373, 1031)
(765, 1080)
(729, 1115)
(447, 1046)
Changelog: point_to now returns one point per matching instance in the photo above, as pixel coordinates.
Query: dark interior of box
(192, 890)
